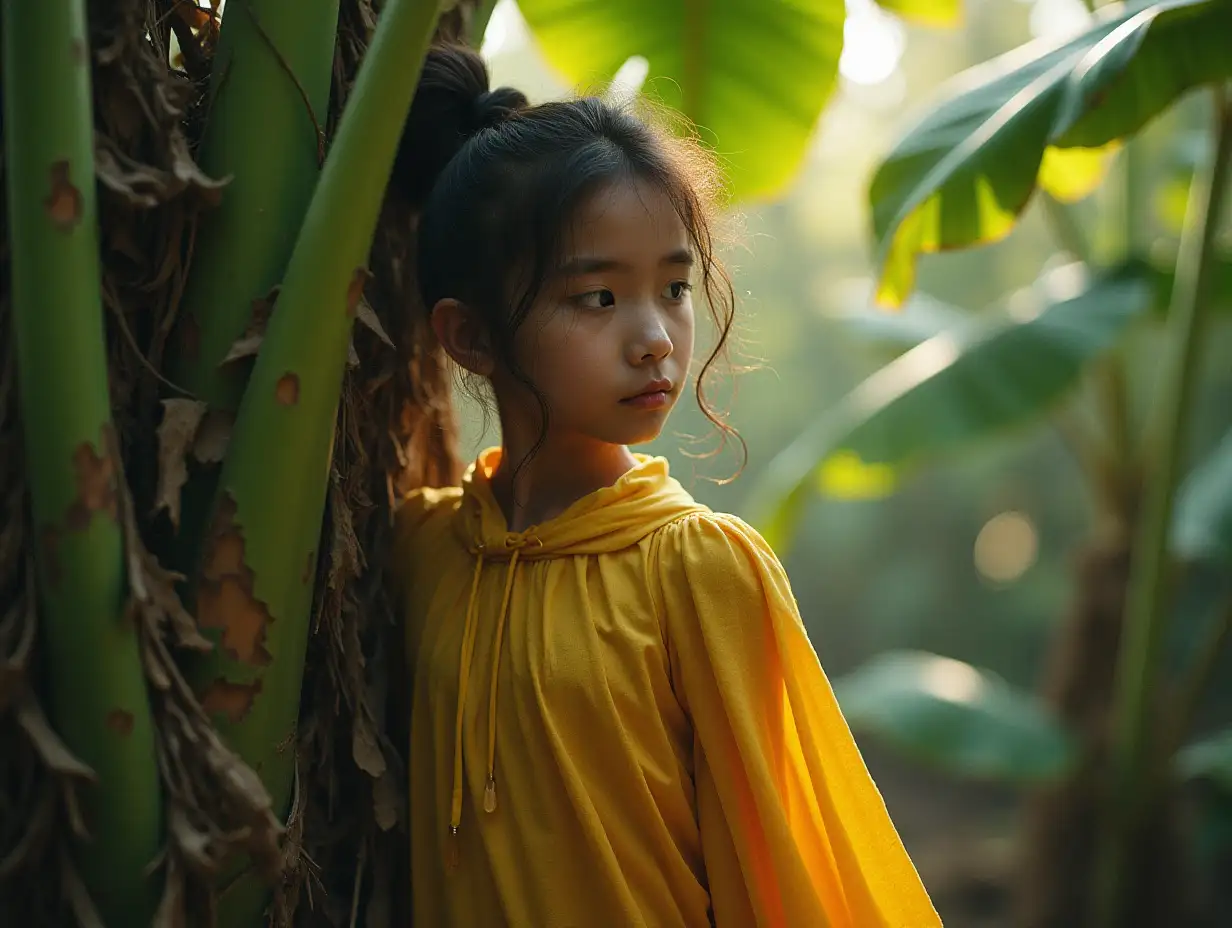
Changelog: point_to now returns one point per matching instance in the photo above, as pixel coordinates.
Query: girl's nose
(651, 343)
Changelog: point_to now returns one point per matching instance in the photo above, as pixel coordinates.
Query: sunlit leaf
(963, 174)
(955, 717)
(1210, 758)
(1069, 174)
(1202, 527)
(962, 386)
(752, 75)
(926, 12)
(845, 476)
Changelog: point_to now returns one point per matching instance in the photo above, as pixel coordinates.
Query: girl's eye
(596, 299)
(676, 290)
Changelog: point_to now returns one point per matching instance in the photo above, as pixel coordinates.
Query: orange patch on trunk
(233, 700)
(63, 202)
(225, 598)
(286, 391)
(120, 721)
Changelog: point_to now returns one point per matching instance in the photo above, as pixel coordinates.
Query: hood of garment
(642, 501)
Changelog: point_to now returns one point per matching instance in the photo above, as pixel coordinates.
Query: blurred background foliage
(974, 556)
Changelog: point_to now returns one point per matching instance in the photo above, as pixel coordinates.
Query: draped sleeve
(794, 831)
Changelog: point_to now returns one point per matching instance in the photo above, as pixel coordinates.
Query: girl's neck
(562, 471)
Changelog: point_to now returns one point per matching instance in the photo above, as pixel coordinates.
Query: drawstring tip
(489, 796)
(453, 853)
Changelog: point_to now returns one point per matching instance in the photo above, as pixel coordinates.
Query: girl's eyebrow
(575, 267)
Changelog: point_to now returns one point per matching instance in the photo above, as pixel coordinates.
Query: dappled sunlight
(873, 44)
(506, 30)
(1058, 19)
(951, 680)
(1006, 547)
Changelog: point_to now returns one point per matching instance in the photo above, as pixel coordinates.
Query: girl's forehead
(633, 214)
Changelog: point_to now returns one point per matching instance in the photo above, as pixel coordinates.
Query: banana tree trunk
(97, 687)
(1061, 822)
(258, 571)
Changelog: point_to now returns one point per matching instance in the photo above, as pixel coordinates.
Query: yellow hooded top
(617, 719)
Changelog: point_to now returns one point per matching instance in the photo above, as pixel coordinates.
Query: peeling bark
(225, 598)
(234, 700)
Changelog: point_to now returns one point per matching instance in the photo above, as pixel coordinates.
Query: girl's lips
(654, 399)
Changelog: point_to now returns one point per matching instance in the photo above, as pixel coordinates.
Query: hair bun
(451, 104)
(493, 107)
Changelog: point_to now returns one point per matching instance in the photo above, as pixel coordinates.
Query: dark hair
(495, 182)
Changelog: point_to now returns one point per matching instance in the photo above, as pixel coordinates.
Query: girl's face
(609, 340)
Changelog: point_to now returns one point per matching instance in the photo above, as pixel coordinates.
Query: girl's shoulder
(704, 544)
(424, 512)
(705, 530)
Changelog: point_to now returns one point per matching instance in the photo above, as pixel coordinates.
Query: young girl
(616, 716)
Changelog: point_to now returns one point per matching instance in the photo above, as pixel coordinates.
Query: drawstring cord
(515, 544)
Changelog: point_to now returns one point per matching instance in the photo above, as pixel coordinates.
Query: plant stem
(269, 89)
(1133, 782)
(479, 25)
(259, 567)
(98, 697)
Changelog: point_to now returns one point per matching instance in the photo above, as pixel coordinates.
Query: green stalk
(256, 583)
(1133, 775)
(98, 696)
(269, 90)
(479, 25)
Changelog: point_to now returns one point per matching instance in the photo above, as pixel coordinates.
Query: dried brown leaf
(368, 318)
(386, 801)
(246, 346)
(366, 749)
(249, 343)
(77, 894)
(54, 753)
(171, 912)
(210, 446)
(36, 835)
(181, 420)
(72, 811)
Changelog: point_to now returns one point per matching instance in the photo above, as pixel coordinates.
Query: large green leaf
(752, 75)
(955, 717)
(1210, 759)
(1202, 523)
(966, 170)
(969, 384)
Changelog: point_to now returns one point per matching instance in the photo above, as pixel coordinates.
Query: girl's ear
(463, 336)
